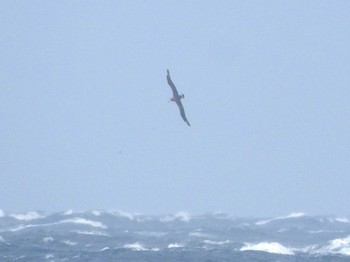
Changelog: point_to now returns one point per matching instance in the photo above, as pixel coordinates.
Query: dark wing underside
(182, 111)
(171, 84)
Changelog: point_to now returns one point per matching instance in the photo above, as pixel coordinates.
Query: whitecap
(2, 213)
(137, 246)
(269, 247)
(339, 246)
(174, 245)
(124, 214)
(69, 243)
(342, 220)
(292, 215)
(211, 242)
(197, 234)
(18, 228)
(94, 233)
(48, 256)
(76, 220)
(182, 216)
(27, 217)
(96, 213)
(83, 221)
(48, 239)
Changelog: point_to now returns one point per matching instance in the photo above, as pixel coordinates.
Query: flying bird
(177, 98)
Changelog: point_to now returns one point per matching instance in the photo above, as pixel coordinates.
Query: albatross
(177, 98)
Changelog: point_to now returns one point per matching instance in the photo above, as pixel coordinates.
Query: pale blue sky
(86, 123)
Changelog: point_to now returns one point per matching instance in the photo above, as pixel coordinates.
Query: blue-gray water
(120, 236)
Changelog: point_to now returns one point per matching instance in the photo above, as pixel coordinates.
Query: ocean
(120, 236)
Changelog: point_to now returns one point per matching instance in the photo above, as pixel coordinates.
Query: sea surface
(120, 236)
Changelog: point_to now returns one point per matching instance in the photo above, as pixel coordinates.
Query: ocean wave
(48, 239)
(104, 249)
(94, 233)
(83, 221)
(137, 246)
(292, 215)
(337, 246)
(269, 247)
(182, 216)
(217, 243)
(69, 242)
(342, 220)
(175, 245)
(49, 256)
(123, 233)
(197, 233)
(76, 220)
(96, 213)
(120, 213)
(32, 215)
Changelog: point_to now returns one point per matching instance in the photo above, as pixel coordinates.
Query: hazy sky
(86, 123)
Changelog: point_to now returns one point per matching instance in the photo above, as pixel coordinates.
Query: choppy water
(120, 236)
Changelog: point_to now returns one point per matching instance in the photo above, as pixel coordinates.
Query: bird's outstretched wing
(171, 84)
(182, 111)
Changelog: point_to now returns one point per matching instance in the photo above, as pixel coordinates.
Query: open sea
(119, 236)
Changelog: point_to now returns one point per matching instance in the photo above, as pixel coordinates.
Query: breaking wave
(114, 233)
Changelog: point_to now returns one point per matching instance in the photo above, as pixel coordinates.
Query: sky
(86, 121)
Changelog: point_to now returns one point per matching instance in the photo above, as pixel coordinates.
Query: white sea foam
(49, 256)
(292, 215)
(83, 221)
(104, 249)
(76, 220)
(120, 213)
(269, 247)
(342, 219)
(94, 233)
(18, 228)
(137, 246)
(339, 246)
(69, 243)
(96, 213)
(27, 217)
(197, 234)
(182, 216)
(2, 213)
(175, 245)
(218, 243)
(48, 239)
(2, 239)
